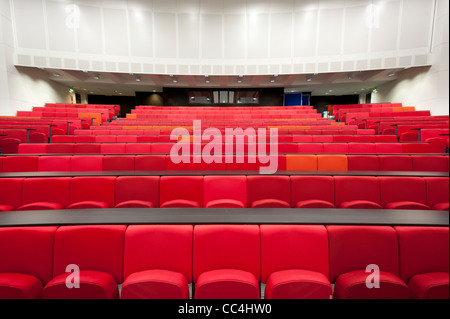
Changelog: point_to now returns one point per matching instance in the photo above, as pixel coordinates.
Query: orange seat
(301, 162)
(332, 163)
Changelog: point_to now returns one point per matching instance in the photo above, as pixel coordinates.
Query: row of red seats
(347, 192)
(283, 148)
(114, 109)
(117, 130)
(224, 262)
(127, 138)
(85, 163)
(349, 117)
(335, 109)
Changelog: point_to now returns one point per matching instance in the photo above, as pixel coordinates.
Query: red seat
(350, 257)
(438, 193)
(269, 191)
(138, 148)
(394, 163)
(98, 252)
(54, 163)
(105, 139)
(86, 163)
(322, 138)
(403, 193)
(84, 139)
(157, 271)
(359, 192)
(409, 137)
(312, 191)
(112, 148)
(86, 148)
(335, 148)
(416, 148)
(161, 148)
(225, 191)
(181, 191)
(118, 163)
(173, 166)
(60, 148)
(38, 137)
(343, 138)
(92, 192)
(11, 190)
(287, 148)
(424, 261)
(26, 263)
(126, 138)
(26, 148)
(292, 270)
(389, 131)
(226, 261)
(388, 148)
(60, 139)
(20, 164)
(438, 144)
(310, 148)
(231, 163)
(424, 163)
(363, 163)
(365, 139)
(45, 193)
(150, 163)
(9, 145)
(361, 148)
(386, 138)
(137, 192)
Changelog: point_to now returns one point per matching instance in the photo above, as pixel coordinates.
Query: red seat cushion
(406, 205)
(429, 286)
(19, 286)
(270, 203)
(135, 204)
(360, 204)
(352, 285)
(88, 205)
(441, 206)
(41, 206)
(93, 285)
(298, 284)
(177, 203)
(155, 284)
(314, 204)
(227, 284)
(6, 208)
(225, 203)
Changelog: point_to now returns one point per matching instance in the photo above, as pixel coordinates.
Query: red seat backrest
(144, 249)
(98, 248)
(226, 247)
(27, 250)
(285, 247)
(355, 247)
(422, 250)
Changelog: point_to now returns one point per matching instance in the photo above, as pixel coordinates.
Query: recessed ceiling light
(56, 74)
(96, 76)
(391, 73)
(138, 79)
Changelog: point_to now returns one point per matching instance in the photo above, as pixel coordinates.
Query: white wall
(214, 37)
(22, 88)
(425, 88)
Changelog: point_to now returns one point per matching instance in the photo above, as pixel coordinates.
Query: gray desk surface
(204, 173)
(169, 216)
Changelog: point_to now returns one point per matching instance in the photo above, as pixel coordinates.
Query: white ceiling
(106, 83)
